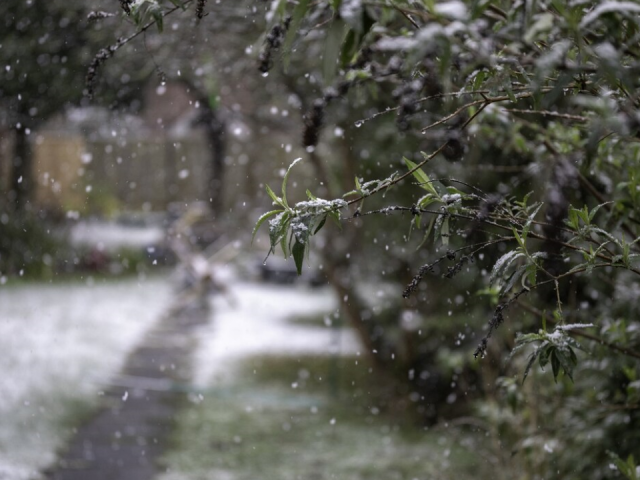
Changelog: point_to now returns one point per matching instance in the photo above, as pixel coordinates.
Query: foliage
(292, 227)
(478, 56)
(501, 99)
(557, 83)
(27, 247)
(57, 59)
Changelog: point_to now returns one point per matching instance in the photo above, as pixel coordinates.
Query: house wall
(97, 176)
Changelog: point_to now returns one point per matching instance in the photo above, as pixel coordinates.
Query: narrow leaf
(284, 181)
(335, 36)
(298, 255)
(277, 200)
(444, 232)
(261, 220)
(532, 359)
(321, 224)
(423, 179)
(296, 19)
(503, 263)
(555, 364)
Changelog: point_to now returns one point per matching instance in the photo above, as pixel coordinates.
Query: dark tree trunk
(21, 176)
(215, 129)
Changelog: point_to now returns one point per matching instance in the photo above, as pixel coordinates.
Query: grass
(286, 418)
(326, 319)
(60, 343)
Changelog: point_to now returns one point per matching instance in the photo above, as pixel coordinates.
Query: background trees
(531, 99)
(488, 101)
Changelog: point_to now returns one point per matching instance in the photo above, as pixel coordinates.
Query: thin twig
(547, 113)
(486, 101)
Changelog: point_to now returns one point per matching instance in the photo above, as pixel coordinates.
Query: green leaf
(565, 363)
(526, 338)
(321, 224)
(427, 233)
(348, 48)
(527, 225)
(555, 364)
(156, 13)
(444, 232)
(284, 181)
(277, 200)
(298, 14)
(178, 3)
(595, 209)
(427, 200)
(278, 231)
(518, 238)
(298, 255)
(335, 216)
(573, 221)
(261, 220)
(278, 9)
(515, 276)
(532, 270)
(545, 351)
(532, 359)
(502, 264)
(628, 468)
(335, 36)
(423, 179)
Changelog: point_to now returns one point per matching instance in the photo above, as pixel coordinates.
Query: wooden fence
(146, 173)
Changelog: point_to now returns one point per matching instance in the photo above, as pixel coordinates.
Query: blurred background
(142, 332)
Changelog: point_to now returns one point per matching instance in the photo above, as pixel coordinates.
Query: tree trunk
(21, 175)
(215, 129)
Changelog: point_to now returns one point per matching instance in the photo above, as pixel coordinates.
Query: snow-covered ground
(58, 343)
(112, 235)
(61, 343)
(253, 320)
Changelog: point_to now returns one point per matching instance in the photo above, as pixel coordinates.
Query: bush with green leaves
(526, 118)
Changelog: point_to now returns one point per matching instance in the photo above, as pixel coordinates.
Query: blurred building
(95, 160)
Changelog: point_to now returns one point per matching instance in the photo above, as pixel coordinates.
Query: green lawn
(312, 418)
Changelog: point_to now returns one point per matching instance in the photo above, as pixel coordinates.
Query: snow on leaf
(503, 263)
(286, 177)
(609, 7)
(455, 10)
(574, 326)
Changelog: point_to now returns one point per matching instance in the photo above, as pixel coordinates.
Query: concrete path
(129, 433)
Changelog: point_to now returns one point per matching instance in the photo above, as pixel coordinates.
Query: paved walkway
(128, 434)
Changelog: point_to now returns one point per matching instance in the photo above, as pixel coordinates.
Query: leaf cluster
(292, 227)
(557, 348)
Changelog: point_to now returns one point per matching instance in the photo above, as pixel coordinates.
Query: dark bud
(272, 43)
(93, 16)
(395, 64)
(200, 9)
(343, 88)
(126, 6)
(456, 148)
(313, 123)
(364, 58)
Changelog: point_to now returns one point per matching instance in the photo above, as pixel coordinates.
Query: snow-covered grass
(283, 401)
(253, 320)
(60, 344)
(318, 417)
(112, 235)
